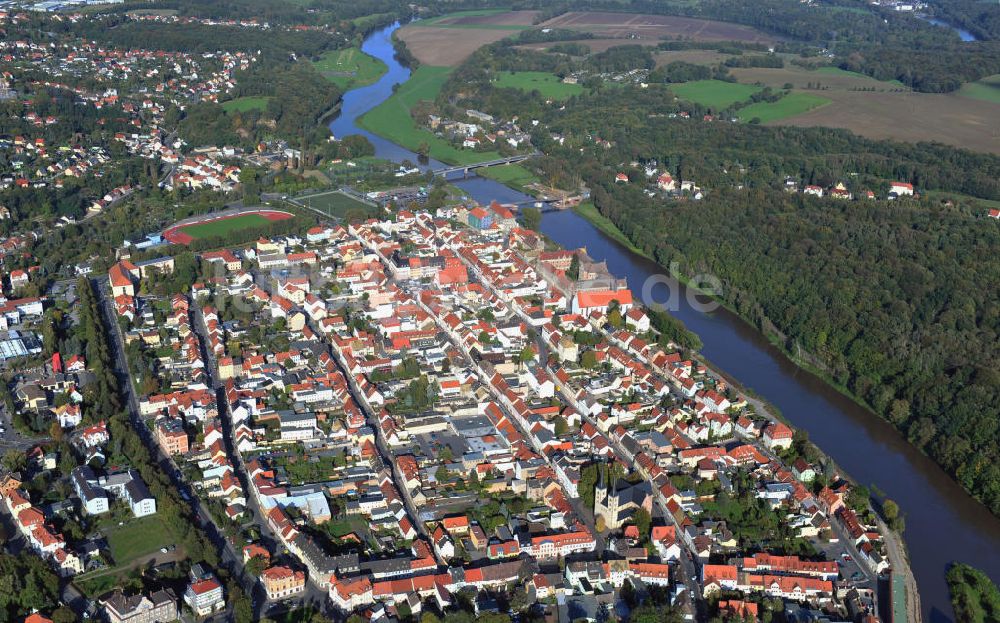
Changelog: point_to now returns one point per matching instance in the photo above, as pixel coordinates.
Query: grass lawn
(549, 85)
(138, 537)
(714, 93)
(987, 89)
(242, 104)
(339, 205)
(391, 119)
(350, 67)
(224, 226)
(513, 175)
(788, 106)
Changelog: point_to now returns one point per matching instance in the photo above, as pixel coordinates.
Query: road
(228, 558)
(271, 540)
(385, 454)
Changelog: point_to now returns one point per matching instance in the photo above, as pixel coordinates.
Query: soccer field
(339, 205)
(184, 234)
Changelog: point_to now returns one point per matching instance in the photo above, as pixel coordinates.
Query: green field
(339, 205)
(987, 89)
(391, 119)
(222, 227)
(243, 104)
(138, 537)
(830, 70)
(350, 67)
(788, 106)
(549, 85)
(714, 93)
(436, 21)
(513, 175)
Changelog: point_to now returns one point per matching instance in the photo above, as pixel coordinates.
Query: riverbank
(864, 447)
(589, 211)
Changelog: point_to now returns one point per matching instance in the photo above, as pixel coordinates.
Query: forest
(884, 299)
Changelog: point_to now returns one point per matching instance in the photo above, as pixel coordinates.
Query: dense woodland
(887, 299)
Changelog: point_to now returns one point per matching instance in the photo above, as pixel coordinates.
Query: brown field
(631, 25)
(510, 18)
(892, 111)
(913, 117)
(446, 46)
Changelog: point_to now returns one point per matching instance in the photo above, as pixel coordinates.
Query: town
(429, 410)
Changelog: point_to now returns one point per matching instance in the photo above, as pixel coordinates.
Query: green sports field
(714, 93)
(391, 119)
(339, 205)
(243, 104)
(788, 106)
(549, 85)
(224, 226)
(350, 67)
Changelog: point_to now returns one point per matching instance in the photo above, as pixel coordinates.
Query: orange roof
(603, 298)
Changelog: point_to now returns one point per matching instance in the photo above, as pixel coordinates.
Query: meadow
(243, 104)
(714, 93)
(391, 119)
(788, 106)
(350, 67)
(549, 85)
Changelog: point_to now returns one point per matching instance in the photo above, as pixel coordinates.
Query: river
(943, 523)
(965, 35)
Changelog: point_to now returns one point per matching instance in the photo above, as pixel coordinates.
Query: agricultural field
(824, 78)
(485, 19)
(391, 119)
(947, 118)
(243, 104)
(788, 106)
(987, 89)
(696, 57)
(655, 27)
(715, 94)
(185, 234)
(595, 45)
(339, 205)
(549, 85)
(350, 68)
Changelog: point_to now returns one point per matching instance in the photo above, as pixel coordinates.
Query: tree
(588, 360)
(56, 431)
(62, 614)
(574, 267)
(532, 218)
(256, 565)
(561, 427)
(14, 460)
(526, 355)
(442, 475)
(242, 606)
(615, 318)
(643, 521)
